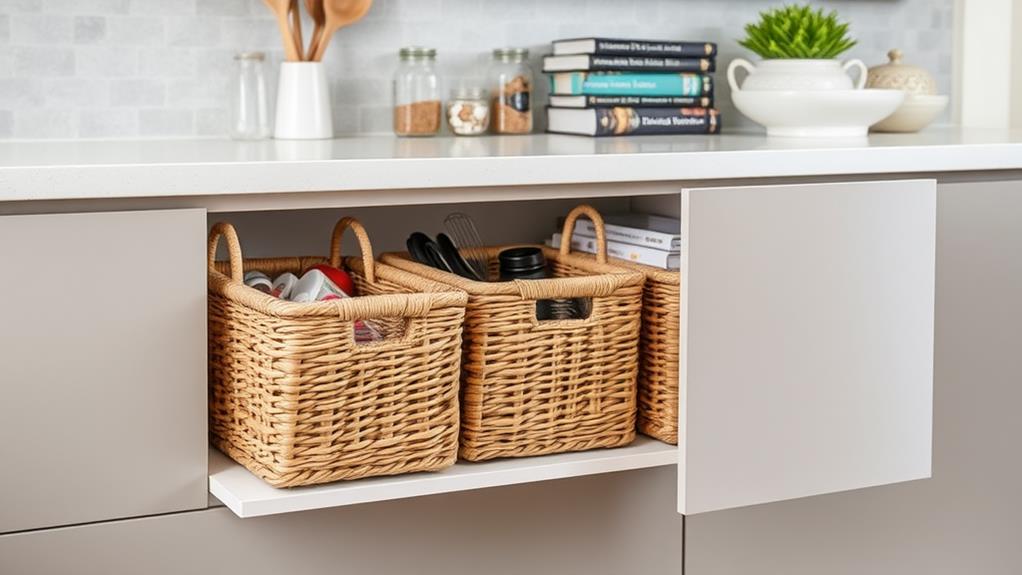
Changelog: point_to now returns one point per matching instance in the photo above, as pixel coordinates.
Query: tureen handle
(860, 82)
(733, 67)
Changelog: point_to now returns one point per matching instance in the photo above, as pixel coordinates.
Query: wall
(152, 68)
(1016, 65)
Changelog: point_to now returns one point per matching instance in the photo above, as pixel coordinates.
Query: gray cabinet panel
(102, 366)
(964, 519)
(807, 348)
(612, 524)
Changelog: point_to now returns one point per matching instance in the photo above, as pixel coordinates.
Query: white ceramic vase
(809, 98)
(303, 103)
(796, 75)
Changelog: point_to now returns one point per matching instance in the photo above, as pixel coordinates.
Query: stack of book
(641, 238)
(608, 87)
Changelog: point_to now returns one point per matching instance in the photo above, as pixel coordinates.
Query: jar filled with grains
(511, 79)
(417, 108)
(468, 111)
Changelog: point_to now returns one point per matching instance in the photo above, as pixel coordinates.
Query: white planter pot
(796, 75)
(809, 98)
(303, 103)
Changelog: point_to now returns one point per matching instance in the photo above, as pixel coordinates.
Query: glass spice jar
(417, 109)
(468, 111)
(249, 107)
(511, 79)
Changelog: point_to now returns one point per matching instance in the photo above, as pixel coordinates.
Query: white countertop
(41, 170)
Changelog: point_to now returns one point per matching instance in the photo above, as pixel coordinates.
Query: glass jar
(511, 82)
(249, 107)
(468, 111)
(417, 108)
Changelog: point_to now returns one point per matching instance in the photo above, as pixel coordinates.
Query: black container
(528, 263)
(522, 264)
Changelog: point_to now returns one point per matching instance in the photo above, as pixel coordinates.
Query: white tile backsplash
(166, 122)
(43, 61)
(107, 123)
(89, 29)
(128, 68)
(41, 28)
(137, 92)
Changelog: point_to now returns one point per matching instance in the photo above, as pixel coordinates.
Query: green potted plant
(799, 47)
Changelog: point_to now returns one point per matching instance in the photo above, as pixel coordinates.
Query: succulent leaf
(797, 31)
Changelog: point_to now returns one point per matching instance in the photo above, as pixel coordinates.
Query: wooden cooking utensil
(315, 10)
(296, 28)
(339, 13)
(280, 9)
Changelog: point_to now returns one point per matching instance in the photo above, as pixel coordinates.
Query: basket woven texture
(659, 361)
(532, 387)
(297, 401)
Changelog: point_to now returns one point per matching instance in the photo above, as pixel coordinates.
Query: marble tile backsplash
(160, 68)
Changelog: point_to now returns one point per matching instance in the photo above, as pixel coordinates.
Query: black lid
(524, 258)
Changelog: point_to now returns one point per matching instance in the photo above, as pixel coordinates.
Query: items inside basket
(327, 368)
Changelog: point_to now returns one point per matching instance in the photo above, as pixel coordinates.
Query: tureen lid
(897, 76)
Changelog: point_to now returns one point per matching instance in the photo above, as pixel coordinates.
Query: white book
(658, 232)
(668, 260)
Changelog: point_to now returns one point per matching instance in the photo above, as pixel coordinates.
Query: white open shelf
(248, 496)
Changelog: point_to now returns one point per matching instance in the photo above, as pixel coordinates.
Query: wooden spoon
(296, 28)
(280, 9)
(315, 10)
(339, 13)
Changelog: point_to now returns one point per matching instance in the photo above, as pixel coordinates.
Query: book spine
(633, 236)
(650, 101)
(643, 48)
(625, 121)
(637, 254)
(580, 83)
(651, 64)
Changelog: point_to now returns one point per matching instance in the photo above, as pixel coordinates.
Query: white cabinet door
(807, 351)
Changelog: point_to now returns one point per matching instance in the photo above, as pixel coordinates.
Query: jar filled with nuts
(417, 109)
(468, 111)
(511, 79)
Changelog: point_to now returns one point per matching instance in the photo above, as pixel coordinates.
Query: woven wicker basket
(659, 358)
(532, 387)
(297, 401)
(659, 361)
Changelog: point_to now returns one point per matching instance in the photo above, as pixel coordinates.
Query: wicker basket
(532, 387)
(659, 362)
(297, 401)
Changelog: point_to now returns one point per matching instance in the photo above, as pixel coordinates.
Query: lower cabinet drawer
(102, 366)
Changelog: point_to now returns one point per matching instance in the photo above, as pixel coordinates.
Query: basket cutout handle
(363, 245)
(601, 233)
(233, 249)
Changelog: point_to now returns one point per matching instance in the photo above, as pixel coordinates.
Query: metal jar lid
(411, 52)
(510, 53)
(260, 56)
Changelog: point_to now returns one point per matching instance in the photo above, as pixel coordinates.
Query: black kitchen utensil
(426, 251)
(455, 259)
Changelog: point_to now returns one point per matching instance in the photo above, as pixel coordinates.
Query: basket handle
(569, 227)
(233, 249)
(363, 244)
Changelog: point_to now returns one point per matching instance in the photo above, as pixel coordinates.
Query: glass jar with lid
(511, 85)
(249, 107)
(417, 108)
(468, 111)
